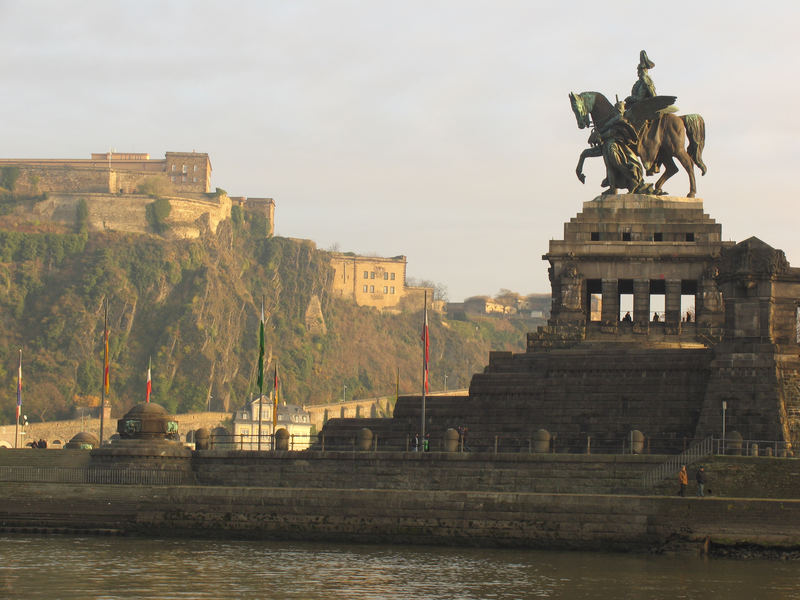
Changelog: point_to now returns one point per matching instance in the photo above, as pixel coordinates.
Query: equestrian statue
(640, 128)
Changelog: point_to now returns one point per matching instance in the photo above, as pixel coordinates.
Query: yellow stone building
(376, 281)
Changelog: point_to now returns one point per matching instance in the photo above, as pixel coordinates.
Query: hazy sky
(439, 129)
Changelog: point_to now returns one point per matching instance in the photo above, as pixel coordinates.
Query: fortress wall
(128, 181)
(188, 210)
(38, 179)
(127, 212)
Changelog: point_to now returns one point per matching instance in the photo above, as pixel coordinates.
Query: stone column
(610, 309)
(641, 301)
(672, 305)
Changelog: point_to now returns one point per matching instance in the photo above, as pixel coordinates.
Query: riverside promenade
(515, 500)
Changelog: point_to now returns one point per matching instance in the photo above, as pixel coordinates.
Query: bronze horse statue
(661, 136)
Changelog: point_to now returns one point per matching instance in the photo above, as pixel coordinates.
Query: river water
(64, 567)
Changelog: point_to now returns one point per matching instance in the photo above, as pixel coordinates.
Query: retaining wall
(586, 522)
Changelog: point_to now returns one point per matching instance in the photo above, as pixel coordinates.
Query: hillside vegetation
(194, 307)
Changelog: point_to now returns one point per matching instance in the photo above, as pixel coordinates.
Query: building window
(366, 274)
(372, 275)
(595, 236)
(626, 236)
(183, 178)
(195, 168)
(366, 288)
(172, 178)
(658, 236)
(385, 275)
(385, 290)
(372, 289)
(184, 169)
(194, 179)
(392, 288)
(392, 277)
(173, 167)
(689, 237)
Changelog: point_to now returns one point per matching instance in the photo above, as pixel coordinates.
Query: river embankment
(526, 501)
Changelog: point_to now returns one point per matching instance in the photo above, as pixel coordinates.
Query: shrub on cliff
(8, 177)
(82, 216)
(157, 213)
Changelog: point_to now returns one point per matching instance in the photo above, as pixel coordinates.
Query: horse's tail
(696, 132)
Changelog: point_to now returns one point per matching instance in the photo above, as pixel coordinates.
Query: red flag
(105, 351)
(426, 340)
(149, 383)
(19, 386)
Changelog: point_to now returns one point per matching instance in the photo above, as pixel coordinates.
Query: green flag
(261, 354)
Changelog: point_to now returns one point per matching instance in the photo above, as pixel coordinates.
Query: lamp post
(724, 408)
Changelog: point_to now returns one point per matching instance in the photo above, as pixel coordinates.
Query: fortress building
(657, 326)
(117, 188)
(375, 281)
(110, 172)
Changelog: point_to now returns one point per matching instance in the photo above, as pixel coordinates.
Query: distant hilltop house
(377, 281)
(291, 417)
(117, 187)
(508, 303)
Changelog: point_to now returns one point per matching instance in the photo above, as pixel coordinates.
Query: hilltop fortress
(117, 187)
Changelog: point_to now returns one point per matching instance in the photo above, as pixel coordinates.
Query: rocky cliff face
(193, 307)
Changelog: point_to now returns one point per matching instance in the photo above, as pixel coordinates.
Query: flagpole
(275, 408)
(425, 343)
(19, 400)
(105, 368)
(260, 370)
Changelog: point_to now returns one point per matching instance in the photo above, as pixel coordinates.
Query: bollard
(282, 440)
(364, 440)
(754, 450)
(541, 442)
(733, 444)
(637, 442)
(202, 439)
(451, 439)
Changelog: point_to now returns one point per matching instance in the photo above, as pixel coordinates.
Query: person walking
(700, 476)
(683, 479)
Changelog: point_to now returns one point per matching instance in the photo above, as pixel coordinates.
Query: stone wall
(38, 179)
(529, 520)
(190, 215)
(513, 473)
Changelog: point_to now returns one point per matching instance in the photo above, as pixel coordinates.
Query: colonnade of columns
(642, 290)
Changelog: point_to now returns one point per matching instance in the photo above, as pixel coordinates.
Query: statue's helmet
(644, 62)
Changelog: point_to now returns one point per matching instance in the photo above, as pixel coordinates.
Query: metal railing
(712, 446)
(674, 463)
(249, 441)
